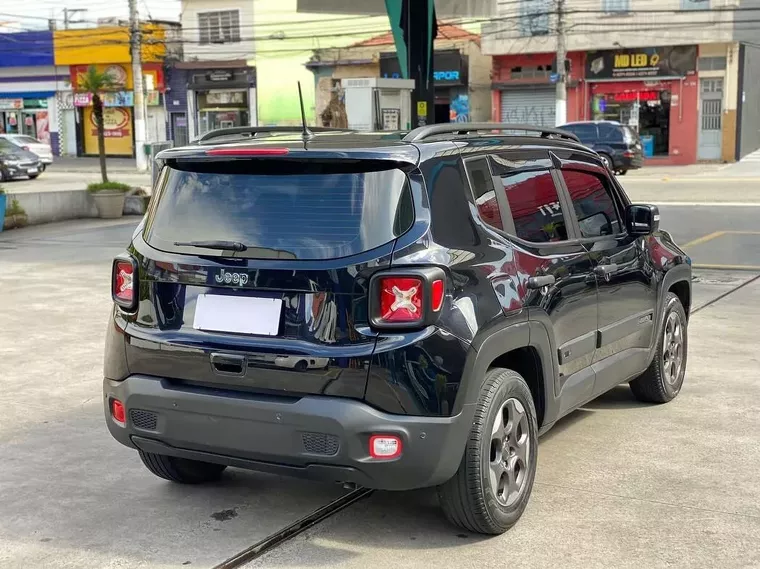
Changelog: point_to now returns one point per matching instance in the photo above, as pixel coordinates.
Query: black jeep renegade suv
(390, 310)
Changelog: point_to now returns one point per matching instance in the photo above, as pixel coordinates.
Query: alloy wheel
(509, 453)
(672, 348)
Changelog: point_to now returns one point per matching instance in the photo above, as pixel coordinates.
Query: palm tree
(95, 83)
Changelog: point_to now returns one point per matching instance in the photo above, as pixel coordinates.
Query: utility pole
(561, 104)
(137, 84)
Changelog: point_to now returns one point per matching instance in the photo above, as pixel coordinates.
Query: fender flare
(487, 348)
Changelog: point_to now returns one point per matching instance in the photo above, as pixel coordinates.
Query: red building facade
(655, 90)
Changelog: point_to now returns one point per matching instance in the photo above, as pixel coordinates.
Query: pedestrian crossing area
(752, 157)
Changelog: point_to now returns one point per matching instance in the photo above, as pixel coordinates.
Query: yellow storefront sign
(117, 123)
(106, 44)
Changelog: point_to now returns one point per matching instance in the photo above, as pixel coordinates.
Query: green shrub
(15, 209)
(2, 191)
(108, 186)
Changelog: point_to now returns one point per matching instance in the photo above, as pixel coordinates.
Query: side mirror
(642, 219)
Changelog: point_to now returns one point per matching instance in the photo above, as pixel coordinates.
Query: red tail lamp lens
(401, 299)
(123, 282)
(437, 295)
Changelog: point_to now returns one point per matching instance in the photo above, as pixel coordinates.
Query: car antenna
(306, 134)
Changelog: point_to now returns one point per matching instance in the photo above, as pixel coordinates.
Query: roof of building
(445, 32)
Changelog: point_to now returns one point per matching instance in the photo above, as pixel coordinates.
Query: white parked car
(32, 145)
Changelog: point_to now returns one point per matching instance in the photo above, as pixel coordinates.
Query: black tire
(181, 470)
(302, 365)
(34, 176)
(660, 383)
(623, 172)
(606, 160)
(468, 499)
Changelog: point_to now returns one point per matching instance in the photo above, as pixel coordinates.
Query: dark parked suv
(394, 311)
(618, 146)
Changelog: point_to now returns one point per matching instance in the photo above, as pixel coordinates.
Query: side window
(611, 133)
(586, 132)
(484, 192)
(593, 204)
(535, 206)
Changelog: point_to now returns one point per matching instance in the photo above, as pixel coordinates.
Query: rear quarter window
(294, 211)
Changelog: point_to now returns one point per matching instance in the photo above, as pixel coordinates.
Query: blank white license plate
(32, 171)
(238, 314)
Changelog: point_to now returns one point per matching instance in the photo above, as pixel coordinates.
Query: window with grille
(534, 17)
(219, 27)
(616, 6)
(712, 63)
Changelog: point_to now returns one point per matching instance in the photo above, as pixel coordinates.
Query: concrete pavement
(620, 484)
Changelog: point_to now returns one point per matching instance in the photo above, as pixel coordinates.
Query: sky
(34, 14)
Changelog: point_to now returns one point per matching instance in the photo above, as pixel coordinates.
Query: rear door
(253, 273)
(545, 248)
(626, 281)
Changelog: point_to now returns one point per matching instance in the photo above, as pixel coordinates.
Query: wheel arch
(524, 347)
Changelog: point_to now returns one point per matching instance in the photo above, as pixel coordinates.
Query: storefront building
(107, 49)
(524, 92)
(655, 91)
(451, 76)
(460, 71)
(219, 95)
(29, 80)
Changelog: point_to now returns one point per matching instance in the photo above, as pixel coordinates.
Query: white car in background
(32, 145)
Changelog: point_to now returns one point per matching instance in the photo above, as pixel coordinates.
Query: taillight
(408, 298)
(629, 154)
(401, 299)
(124, 282)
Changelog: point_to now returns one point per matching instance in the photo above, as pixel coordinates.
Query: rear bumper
(629, 163)
(320, 438)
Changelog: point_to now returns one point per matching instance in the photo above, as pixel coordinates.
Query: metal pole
(137, 83)
(561, 104)
(65, 18)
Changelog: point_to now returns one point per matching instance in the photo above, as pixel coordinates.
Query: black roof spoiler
(423, 132)
(253, 131)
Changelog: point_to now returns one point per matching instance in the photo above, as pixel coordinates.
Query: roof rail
(252, 131)
(424, 132)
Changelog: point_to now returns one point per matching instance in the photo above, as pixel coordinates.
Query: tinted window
(611, 133)
(586, 132)
(535, 206)
(316, 213)
(484, 192)
(592, 203)
(6, 146)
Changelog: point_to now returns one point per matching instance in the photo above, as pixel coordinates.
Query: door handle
(605, 270)
(541, 282)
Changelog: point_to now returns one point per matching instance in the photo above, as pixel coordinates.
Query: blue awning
(28, 95)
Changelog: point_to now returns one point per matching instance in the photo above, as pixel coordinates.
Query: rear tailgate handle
(228, 364)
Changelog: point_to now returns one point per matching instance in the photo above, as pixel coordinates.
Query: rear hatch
(253, 273)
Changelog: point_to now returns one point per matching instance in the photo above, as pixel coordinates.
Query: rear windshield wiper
(221, 245)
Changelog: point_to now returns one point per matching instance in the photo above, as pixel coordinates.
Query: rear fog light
(384, 447)
(118, 413)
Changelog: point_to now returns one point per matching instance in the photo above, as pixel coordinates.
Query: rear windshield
(306, 212)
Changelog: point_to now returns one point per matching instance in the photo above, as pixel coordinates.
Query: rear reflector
(384, 446)
(401, 299)
(247, 152)
(123, 282)
(117, 412)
